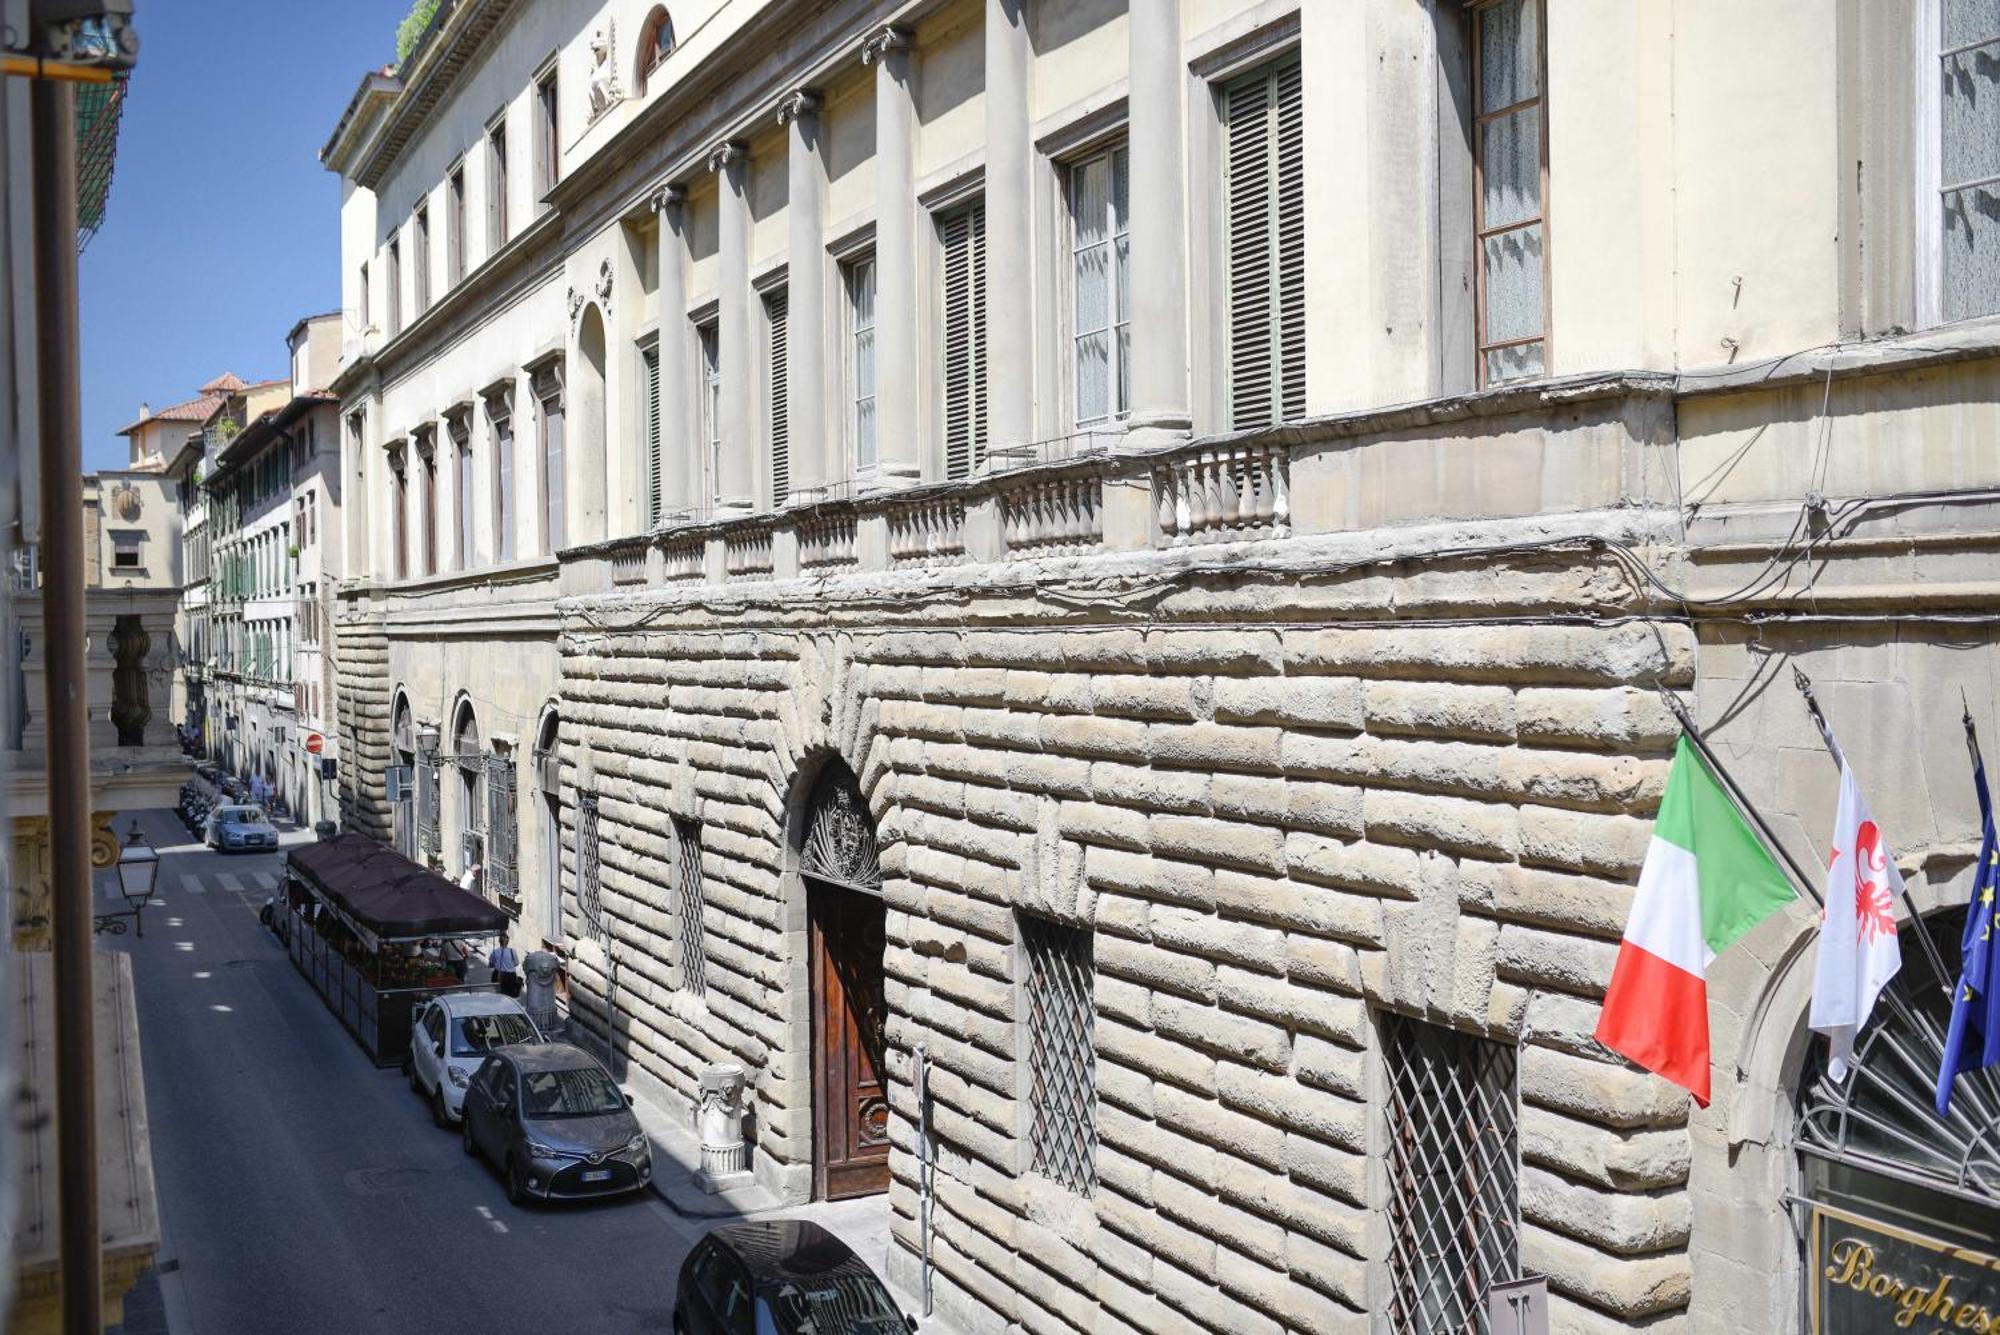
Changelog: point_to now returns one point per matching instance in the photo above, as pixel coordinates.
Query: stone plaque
(1870, 1277)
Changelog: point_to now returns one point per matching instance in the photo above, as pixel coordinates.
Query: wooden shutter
(964, 236)
(649, 416)
(1264, 195)
(777, 307)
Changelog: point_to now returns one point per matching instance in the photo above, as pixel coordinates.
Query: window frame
(1106, 150)
(1267, 67)
(943, 220)
(454, 225)
(852, 267)
(548, 130)
(646, 358)
(708, 389)
(1930, 231)
(395, 292)
(774, 308)
(1481, 118)
(420, 255)
(548, 386)
(651, 55)
(496, 182)
(499, 406)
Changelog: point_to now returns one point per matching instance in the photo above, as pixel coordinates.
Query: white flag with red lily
(1858, 954)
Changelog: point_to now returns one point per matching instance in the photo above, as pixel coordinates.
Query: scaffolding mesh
(99, 109)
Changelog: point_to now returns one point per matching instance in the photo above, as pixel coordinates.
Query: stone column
(736, 488)
(898, 400)
(1157, 139)
(813, 466)
(1010, 307)
(680, 454)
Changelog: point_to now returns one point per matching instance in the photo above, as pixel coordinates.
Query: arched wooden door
(846, 920)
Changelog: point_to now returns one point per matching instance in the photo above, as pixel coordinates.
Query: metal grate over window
(1062, 1059)
(1454, 1168)
(689, 940)
(588, 900)
(502, 833)
(429, 840)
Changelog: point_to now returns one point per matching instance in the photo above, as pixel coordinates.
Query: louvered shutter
(964, 236)
(649, 387)
(776, 310)
(1264, 192)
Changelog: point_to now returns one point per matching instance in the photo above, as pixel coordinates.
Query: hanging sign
(1870, 1277)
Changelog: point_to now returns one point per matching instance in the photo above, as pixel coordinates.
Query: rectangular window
(125, 551)
(1508, 178)
(1100, 288)
(589, 903)
(1967, 171)
(1264, 255)
(496, 185)
(1454, 1172)
(690, 942)
(502, 834)
(963, 235)
(395, 292)
(428, 481)
(454, 226)
(548, 137)
(500, 418)
(649, 429)
(362, 300)
(777, 307)
(1062, 1054)
(709, 343)
(859, 276)
(460, 427)
(549, 395)
(420, 257)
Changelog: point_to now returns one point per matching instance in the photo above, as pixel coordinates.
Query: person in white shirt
(506, 966)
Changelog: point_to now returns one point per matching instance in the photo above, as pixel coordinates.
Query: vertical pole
(53, 126)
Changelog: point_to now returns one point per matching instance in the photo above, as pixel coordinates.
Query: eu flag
(1974, 1039)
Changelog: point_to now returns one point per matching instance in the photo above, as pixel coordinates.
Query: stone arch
(588, 416)
(403, 758)
(547, 785)
(656, 43)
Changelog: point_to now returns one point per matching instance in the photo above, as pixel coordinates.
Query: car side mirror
(911, 1320)
(437, 1049)
(629, 1101)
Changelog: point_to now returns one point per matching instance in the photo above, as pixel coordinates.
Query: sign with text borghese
(1871, 1277)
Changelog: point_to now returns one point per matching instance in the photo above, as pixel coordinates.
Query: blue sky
(223, 229)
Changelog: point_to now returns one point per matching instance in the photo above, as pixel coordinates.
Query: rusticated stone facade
(1282, 814)
(362, 683)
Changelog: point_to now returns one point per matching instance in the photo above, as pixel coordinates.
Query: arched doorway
(1895, 1196)
(471, 766)
(403, 742)
(586, 470)
(845, 916)
(548, 785)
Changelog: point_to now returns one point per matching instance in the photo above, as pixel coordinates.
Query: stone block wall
(362, 688)
(1281, 815)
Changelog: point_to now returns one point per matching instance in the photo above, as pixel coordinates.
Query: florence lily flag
(1706, 881)
(1858, 953)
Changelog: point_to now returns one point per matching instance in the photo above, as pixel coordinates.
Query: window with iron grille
(428, 844)
(1454, 1170)
(1264, 202)
(1062, 1058)
(963, 234)
(689, 939)
(588, 899)
(502, 833)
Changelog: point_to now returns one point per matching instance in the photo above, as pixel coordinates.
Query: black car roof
(547, 1056)
(775, 1250)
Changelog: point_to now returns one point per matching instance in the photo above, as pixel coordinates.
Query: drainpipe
(920, 1080)
(67, 704)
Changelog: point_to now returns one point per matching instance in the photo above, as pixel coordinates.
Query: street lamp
(138, 869)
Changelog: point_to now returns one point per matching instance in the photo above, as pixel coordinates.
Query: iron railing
(1062, 1061)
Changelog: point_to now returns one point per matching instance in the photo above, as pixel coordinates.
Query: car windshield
(242, 816)
(835, 1305)
(582, 1091)
(474, 1034)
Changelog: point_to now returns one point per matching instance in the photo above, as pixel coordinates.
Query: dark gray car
(550, 1117)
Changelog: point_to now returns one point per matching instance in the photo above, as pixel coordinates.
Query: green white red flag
(1706, 881)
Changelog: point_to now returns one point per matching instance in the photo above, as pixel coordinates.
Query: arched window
(656, 43)
(472, 792)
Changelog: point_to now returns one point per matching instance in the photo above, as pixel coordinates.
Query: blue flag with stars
(1974, 1039)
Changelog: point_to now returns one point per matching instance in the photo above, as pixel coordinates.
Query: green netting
(99, 107)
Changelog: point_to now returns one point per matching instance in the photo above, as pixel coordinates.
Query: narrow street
(302, 1190)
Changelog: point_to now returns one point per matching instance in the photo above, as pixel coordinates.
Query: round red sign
(315, 743)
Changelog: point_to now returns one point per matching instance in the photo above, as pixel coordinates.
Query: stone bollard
(725, 1159)
(540, 993)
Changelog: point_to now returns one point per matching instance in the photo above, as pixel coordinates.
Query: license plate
(597, 1175)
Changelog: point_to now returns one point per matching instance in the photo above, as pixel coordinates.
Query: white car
(450, 1036)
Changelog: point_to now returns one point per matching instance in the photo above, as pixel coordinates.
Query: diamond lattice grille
(1062, 1061)
(1454, 1210)
(688, 937)
(588, 900)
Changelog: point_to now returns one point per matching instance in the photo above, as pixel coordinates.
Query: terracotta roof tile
(226, 383)
(193, 410)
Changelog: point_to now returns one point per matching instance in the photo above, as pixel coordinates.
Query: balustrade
(1054, 516)
(1226, 493)
(930, 533)
(747, 555)
(826, 541)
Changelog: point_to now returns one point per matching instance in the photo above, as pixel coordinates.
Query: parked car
(450, 1036)
(233, 828)
(552, 1120)
(784, 1276)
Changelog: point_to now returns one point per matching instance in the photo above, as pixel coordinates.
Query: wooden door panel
(850, 1100)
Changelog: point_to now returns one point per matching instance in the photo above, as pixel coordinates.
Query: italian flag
(1707, 880)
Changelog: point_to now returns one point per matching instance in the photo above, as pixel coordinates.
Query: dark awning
(389, 896)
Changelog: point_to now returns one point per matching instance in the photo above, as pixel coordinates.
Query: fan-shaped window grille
(839, 845)
(1876, 1137)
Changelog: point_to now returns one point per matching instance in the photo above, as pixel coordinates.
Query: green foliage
(411, 30)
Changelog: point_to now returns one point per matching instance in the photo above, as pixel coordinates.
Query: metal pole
(67, 704)
(920, 1077)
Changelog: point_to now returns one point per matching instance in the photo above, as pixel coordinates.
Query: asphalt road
(303, 1191)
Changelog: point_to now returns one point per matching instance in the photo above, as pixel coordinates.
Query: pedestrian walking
(506, 966)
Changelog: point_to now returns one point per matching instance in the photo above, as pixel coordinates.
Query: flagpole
(1728, 781)
(1804, 684)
